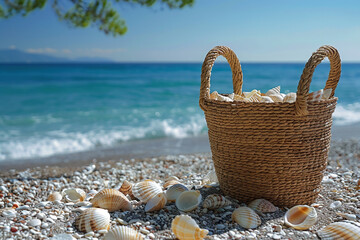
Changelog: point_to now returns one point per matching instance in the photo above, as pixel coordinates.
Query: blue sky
(279, 30)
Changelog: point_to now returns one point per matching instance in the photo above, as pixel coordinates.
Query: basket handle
(304, 84)
(208, 63)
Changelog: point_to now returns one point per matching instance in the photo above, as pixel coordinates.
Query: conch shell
(301, 217)
(211, 177)
(122, 232)
(188, 200)
(146, 190)
(246, 217)
(112, 200)
(93, 219)
(215, 201)
(262, 205)
(185, 228)
(156, 203)
(126, 188)
(273, 91)
(346, 230)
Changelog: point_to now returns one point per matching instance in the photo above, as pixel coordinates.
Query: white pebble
(63, 236)
(151, 235)
(276, 236)
(102, 231)
(44, 225)
(40, 215)
(335, 205)
(32, 231)
(89, 234)
(34, 222)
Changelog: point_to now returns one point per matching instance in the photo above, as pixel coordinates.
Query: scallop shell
(210, 177)
(301, 217)
(246, 217)
(156, 203)
(326, 94)
(172, 178)
(126, 188)
(262, 205)
(266, 99)
(146, 190)
(112, 200)
(215, 201)
(122, 232)
(185, 228)
(290, 97)
(273, 91)
(174, 192)
(74, 195)
(346, 230)
(170, 183)
(188, 200)
(55, 196)
(276, 98)
(93, 219)
(316, 96)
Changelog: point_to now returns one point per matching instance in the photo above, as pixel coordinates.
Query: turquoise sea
(49, 109)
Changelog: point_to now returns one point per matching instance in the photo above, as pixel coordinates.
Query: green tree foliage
(84, 13)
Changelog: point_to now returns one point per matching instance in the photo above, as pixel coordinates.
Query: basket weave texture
(276, 151)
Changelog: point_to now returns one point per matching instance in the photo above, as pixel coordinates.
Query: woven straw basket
(276, 151)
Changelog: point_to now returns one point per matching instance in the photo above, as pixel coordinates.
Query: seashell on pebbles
(122, 232)
(146, 190)
(55, 196)
(215, 201)
(156, 203)
(301, 217)
(173, 192)
(93, 219)
(184, 227)
(246, 217)
(340, 230)
(126, 188)
(112, 200)
(74, 195)
(188, 200)
(262, 205)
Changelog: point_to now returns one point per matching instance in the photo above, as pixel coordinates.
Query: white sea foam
(58, 142)
(347, 114)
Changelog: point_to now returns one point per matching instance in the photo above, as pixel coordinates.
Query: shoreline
(141, 149)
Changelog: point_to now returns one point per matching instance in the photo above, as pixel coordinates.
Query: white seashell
(215, 201)
(246, 217)
(185, 228)
(316, 96)
(283, 94)
(156, 203)
(214, 95)
(73, 195)
(276, 97)
(232, 95)
(262, 205)
(326, 94)
(301, 217)
(174, 192)
(238, 98)
(290, 97)
(188, 200)
(170, 183)
(172, 178)
(210, 177)
(93, 219)
(266, 99)
(126, 188)
(340, 231)
(224, 98)
(112, 200)
(55, 196)
(273, 91)
(253, 96)
(146, 190)
(122, 232)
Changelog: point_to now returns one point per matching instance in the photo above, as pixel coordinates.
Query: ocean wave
(347, 114)
(60, 142)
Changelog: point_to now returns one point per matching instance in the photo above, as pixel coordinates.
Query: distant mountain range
(18, 56)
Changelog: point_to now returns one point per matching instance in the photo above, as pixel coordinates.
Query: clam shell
(301, 217)
(170, 183)
(146, 190)
(326, 94)
(93, 219)
(316, 96)
(188, 200)
(273, 91)
(346, 230)
(210, 177)
(262, 205)
(126, 188)
(55, 196)
(122, 232)
(246, 217)
(112, 200)
(156, 203)
(73, 195)
(290, 97)
(185, 228)
(215, 201)
(276, 97)
(174, 192)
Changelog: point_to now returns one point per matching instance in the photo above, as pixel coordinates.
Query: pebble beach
(26, 213)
